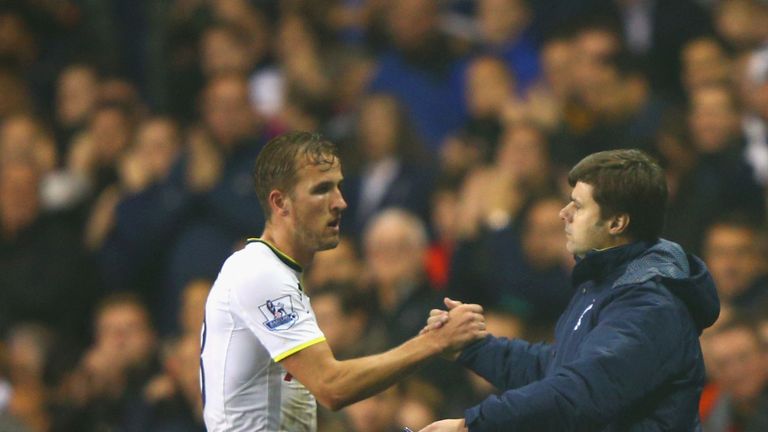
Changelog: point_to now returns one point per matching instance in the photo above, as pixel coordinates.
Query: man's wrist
(435, 344)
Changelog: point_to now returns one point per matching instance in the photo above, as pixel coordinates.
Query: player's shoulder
(253, 260)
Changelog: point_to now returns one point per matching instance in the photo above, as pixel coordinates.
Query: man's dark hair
(281, 158)
(626, 181)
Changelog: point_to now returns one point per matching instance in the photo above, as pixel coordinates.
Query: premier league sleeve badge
(279, 313)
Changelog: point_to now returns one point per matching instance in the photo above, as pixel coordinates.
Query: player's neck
(286, 243)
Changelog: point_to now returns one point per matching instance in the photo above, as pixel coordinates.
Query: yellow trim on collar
(276, 250)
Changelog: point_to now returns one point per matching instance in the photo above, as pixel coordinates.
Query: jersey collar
(290, 262)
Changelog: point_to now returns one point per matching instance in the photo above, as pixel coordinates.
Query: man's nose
(341, 203)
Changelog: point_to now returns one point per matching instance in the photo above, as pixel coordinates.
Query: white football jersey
(255, 316)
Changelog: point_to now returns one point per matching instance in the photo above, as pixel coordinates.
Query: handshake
(455, 328)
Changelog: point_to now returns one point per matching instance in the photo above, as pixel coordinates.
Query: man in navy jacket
(627, 355)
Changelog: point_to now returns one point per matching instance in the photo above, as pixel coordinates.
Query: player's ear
(279, 202)
(619, 224)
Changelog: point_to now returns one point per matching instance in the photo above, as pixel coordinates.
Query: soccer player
(264, 360)
(627, 355)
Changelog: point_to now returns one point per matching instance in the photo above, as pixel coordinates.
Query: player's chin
(329, 243)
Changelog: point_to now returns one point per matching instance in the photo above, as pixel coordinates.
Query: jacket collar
(599, 264)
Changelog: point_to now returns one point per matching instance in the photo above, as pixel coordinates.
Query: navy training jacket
(626, 358)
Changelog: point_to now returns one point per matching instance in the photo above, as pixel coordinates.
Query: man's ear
(618, 224)
(279, 202)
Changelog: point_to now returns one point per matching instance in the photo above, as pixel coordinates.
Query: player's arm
(491, 358)
(337, 384)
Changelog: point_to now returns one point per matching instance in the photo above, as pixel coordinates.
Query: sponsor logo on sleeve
(279, 313)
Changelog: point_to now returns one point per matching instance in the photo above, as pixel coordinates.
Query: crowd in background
(129, 129)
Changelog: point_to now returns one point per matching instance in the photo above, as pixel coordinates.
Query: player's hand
(450, 425)
(438, 317)
(465, 324)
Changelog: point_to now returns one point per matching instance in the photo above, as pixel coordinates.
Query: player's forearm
(357, 379)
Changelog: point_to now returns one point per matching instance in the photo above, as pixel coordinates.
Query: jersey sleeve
(278, 313)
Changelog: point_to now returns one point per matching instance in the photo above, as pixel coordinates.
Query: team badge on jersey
(279, 313)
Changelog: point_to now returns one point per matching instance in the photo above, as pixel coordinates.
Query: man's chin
(329, 244)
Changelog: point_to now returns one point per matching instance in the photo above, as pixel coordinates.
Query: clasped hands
(459, 325)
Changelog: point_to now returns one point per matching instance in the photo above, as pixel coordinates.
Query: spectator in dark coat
(45, 275)
(391, 172)
(739, 368)
(422, 70)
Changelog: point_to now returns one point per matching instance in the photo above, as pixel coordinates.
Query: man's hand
(455, 329)
(450, 425)
(438, 317)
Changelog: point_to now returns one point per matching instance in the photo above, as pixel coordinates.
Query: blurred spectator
(172, 400)
(77, 95)
(307, 65)
(740, 22)
(56, 272)
(520, 267)
(753, 84)
(489, 87)
(505, 31)
(422, 70)
(493, 195)
(341, 264)
(620, 109)
(739, 362)
(714, 119)
(704, 62)
(734, 252)
(18, 48)
(347, 319)
(118, 90)
(706, 170)
(395, 243)
(114, 231)
(715, 133)
(549, 99)
(651, 32)
(445, 228)
(224, 49)
(196, 212)
(390, 172)
(23, 134)
(94, 154)
(28, 351)
(227, 48)
(61, 190)
(114, 371)
(227, 113)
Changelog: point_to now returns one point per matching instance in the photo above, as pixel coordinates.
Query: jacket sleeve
(634, 347)
(507, 363)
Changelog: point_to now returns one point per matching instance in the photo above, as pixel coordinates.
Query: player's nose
(340, 203)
